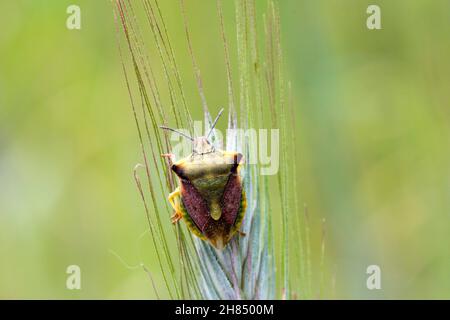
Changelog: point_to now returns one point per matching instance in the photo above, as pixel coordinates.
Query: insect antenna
(214, 123)
(176, 131)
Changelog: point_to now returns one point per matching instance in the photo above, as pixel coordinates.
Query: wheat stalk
(246, 268)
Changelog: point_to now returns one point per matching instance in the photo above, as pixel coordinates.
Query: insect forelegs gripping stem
(174, 202)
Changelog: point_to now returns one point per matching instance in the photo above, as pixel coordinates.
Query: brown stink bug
(210, 196)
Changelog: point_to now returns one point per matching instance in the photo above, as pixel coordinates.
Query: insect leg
(174, 198)
(170, 156)
(175, 217)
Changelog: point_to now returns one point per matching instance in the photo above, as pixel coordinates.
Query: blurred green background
(373, 109)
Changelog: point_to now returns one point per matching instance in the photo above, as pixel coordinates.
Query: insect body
(210, 196)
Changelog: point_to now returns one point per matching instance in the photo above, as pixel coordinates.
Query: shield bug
(210, 196)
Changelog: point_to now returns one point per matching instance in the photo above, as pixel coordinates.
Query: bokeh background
(373, 112)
